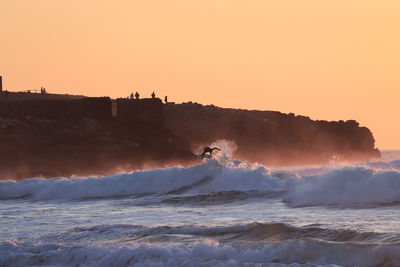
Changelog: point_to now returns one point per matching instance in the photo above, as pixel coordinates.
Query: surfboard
(206, 156)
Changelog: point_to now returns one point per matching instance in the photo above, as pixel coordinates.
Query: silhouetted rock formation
(42, 137)
(271, 137)
(148, 110)
(89, 107)
(45, 135)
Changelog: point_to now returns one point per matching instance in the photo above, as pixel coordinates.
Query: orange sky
(333, 59)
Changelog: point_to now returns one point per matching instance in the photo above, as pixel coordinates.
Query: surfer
(208, 150)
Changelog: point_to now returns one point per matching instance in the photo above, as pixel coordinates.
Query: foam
(208, 252)
(346, 186)
(209, 177)
(159, 181)
(255, 233)
(391, 165)
(337, 185)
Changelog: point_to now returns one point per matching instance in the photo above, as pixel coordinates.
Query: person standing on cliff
(166, 100)
(131, 96)
(153, 95)
(137, 95)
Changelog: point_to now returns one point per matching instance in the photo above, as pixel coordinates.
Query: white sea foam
(391, 165)
(208, 177)
(123, 232)
(373, 184)
(238, 233)
(158, 181)
(208, 252)
(346, 186)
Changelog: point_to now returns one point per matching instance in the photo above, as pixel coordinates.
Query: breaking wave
(391, 165)
(345, 187)
(254, 233)
(208, 252)
(222, 180)
(209, 177)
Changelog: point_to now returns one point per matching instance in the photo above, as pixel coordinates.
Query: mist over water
(220, 212)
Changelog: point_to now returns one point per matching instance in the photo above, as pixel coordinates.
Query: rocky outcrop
(44, 136)
(56, 135)
(270, 137)
(148, 111)
(33, 147)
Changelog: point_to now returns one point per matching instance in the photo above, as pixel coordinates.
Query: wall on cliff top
(14, 105)
(56, 108)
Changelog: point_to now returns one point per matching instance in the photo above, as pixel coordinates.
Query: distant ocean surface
(223, 212)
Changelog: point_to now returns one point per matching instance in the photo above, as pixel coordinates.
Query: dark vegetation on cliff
(270, 137)
(56, 135)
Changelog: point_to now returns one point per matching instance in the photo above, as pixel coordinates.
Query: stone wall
(95, 108)
(17, 105)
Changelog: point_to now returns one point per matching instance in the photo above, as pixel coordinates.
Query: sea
(221, 212)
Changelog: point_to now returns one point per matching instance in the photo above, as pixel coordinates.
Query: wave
(216, 198)
(221, 180)
(350, 186)
(209, 177)
(159, 181)
(208, 252)
(391, 165)
(252, 233)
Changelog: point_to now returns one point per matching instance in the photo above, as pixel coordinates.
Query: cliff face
(272, 138)
(32, 147)
(47, 137)
(148, 111)
(54, 135)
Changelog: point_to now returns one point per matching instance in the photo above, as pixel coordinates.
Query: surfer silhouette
(208, 150)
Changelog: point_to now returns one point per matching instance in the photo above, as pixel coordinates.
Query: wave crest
(345, 187)
(207, 252)
(219, 181)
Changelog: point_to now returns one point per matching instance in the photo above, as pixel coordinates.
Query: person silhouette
(166, 100)
(153, 95)
(137, 95)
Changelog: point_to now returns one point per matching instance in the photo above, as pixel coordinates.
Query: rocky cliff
(270, 137)
(43, 136)
(54, 135)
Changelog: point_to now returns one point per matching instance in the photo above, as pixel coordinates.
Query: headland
(50, 135)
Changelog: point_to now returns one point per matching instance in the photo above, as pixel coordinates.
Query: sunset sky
(331, 60)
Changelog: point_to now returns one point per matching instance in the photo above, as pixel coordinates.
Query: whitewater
(222, 212)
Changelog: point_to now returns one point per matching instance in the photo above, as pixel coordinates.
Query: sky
(329, 60)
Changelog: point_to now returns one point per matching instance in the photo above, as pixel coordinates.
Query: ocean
(222, 212)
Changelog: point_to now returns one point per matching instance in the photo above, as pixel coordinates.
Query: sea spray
(339, 186)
